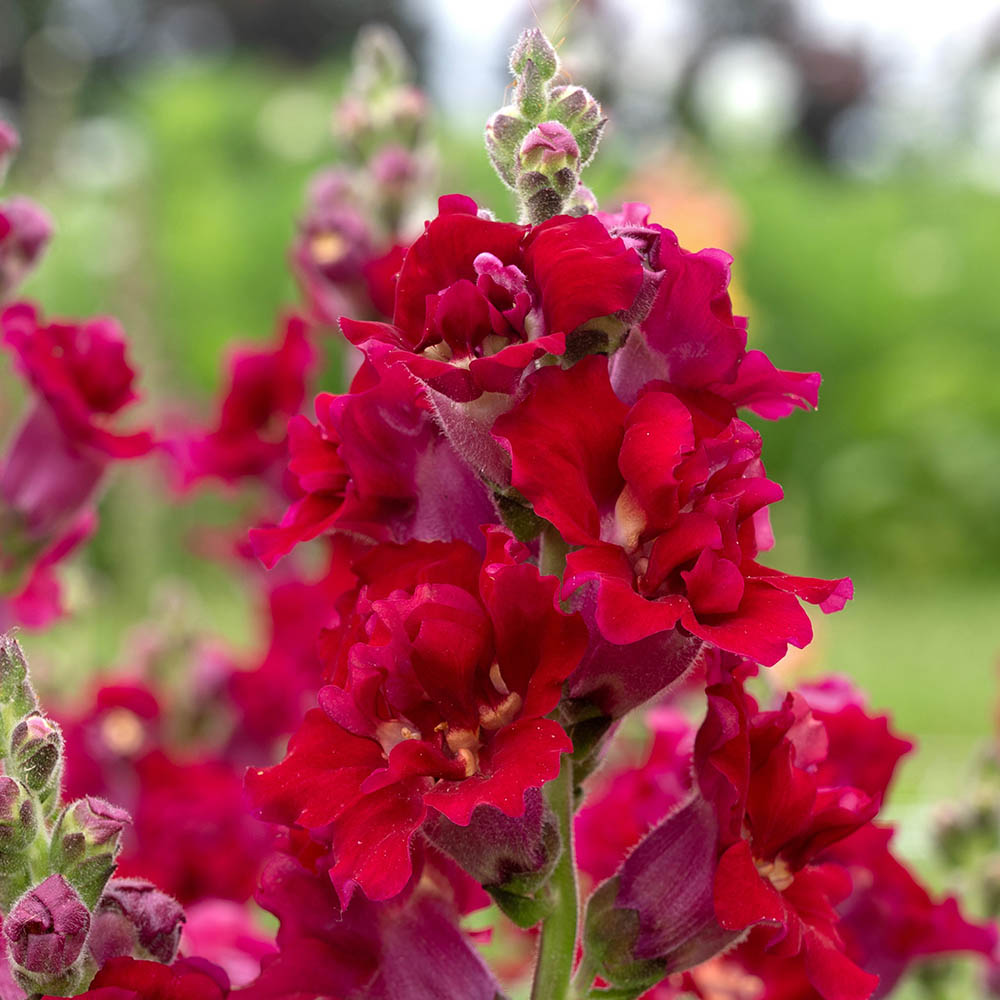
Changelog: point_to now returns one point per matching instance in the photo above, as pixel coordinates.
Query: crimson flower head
(375, 950)
(477, 301)
(439, 704)
(666, 500)
(80, 371)
(266, 387)
(131, 979)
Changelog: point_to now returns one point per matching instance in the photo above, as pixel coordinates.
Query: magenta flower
(266, 387)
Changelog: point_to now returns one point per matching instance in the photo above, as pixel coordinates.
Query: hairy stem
(557, 950)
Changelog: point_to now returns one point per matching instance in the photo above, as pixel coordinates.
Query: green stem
(557, 951)
(584, 978)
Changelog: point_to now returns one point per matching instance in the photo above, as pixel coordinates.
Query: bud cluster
(63, 913)
(25, 229)
(357, 212)
(540, 143)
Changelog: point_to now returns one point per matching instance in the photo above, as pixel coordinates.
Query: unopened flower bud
(505, 131)
(511, 857)
(583, 201)
(17, 696)
(36, 747)
(18, 826)
(530, 93)
(535, 46)
(549, 147)
(656, 916)
(577, 109)
(85, 843)
(379, 59)
(46, 930)
(135, 918)
(25, 231)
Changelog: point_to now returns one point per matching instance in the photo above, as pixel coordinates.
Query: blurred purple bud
(135, 918)
(9, 145)
(25, 231)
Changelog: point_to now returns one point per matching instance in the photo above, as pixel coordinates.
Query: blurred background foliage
(172, 143)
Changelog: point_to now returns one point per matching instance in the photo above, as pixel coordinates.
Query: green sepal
(525, 911)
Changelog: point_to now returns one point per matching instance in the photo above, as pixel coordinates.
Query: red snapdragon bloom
(477, 301)
(688, 335)
(376, 463)
(80, 371)
(131, 979)
(889, 921)
(763, 771)
(193, 835)
(440, 705)
(266, 387)
(667, 501)
(379, 951)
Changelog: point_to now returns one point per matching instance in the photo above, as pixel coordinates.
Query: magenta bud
(47, 928)
(135, 918)
(85, 843)
(549, 147)
(511, 857)
(656, 916)
(25, 231)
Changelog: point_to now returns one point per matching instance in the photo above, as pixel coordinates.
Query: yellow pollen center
(776, 872)
(122, 732)
(328, 248)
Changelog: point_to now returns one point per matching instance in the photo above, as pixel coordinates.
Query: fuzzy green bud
(85, 844)
(36, 748)
(505, 131)
(18, 827)
(534, 46)
(17, 696)
(530, 93)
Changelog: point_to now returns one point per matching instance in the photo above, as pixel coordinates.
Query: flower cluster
(532, 528)
(52, 470)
